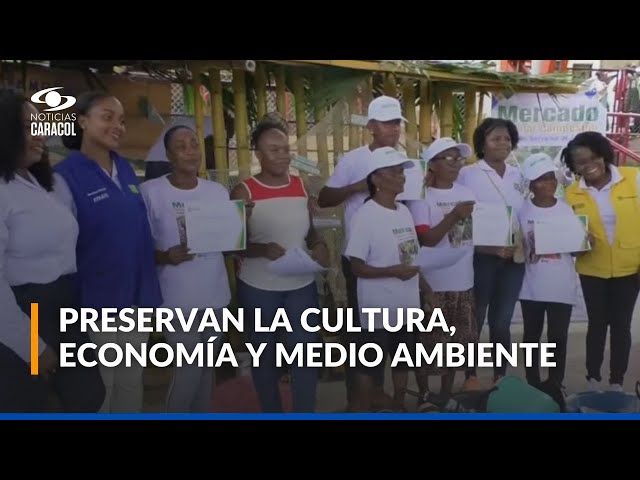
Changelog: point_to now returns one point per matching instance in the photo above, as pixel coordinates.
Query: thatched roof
(479, 74)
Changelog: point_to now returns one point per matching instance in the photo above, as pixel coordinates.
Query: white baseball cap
(445, 143)
(387, 157)
(385, 109)
(537, 165)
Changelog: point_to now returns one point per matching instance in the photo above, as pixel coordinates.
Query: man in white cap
(348, 185)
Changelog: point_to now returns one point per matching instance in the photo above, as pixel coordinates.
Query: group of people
(384, 235)
(86, 233)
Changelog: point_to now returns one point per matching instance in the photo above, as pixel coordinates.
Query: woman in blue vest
(115, 253)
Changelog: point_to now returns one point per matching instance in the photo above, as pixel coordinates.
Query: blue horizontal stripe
(322, 416)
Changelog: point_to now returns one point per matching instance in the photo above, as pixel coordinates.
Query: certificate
(561, 234)
(414, 188)
(216, 227)
(492, 225)
(295, 262)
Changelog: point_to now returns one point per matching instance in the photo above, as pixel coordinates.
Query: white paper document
(492, 225)
(414, 188)
(431, 258)
(561, 234)
(216, 227)
(295, 262)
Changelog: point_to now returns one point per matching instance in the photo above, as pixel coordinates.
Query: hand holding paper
(295, 262)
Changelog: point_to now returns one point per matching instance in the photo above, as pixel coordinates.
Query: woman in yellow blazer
(608, 195)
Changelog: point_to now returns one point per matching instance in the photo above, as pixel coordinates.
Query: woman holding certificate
(188, 281)
(608, 196)
(281, 221)
(383, 249)
(550, 283)
(443, 223)
(498, 270)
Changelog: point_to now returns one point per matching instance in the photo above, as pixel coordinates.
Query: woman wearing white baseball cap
(550, 285)
(382, 248)
(347, 185)
(443, 221)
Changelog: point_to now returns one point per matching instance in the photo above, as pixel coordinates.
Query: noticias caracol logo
(51, 121)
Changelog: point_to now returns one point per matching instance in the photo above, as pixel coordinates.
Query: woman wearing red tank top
(280, 221)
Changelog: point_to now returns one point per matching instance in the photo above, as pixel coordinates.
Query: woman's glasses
(450, 160)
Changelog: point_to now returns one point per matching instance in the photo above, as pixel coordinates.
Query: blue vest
(115, 252)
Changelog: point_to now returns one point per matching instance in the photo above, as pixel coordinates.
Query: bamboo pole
(470, 114)
(411, 134)
(338, 130)
(321, 130)
(301, 117)
(281, 91)
(219, 132)
(199, 114)
(390, 86)
(446, 111)
(260, 80)
(354, 130)
(366, 100)
(481, 108)
(426, 106)
(241, 123)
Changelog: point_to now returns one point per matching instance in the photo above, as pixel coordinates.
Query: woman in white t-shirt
(187, 281)
(443, 221)
(550, 285)
(382, 248)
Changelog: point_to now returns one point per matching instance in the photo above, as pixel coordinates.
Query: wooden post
(241, 123)
(199, 114)
(390, 86)
(301, 117)
(338, 130)
(426, 106)
(446, 111)
(321, 130)
(411, 134)
(470, 114)
(366, 100)
(354, 130)
(219, 131)
(260, 80)
(281, 91)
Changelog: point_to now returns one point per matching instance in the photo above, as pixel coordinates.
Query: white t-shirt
(602, 198)
(382, 237)
(489, 187)
(350, 169)
(201, 282)
(551, 277)
(429, 213)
